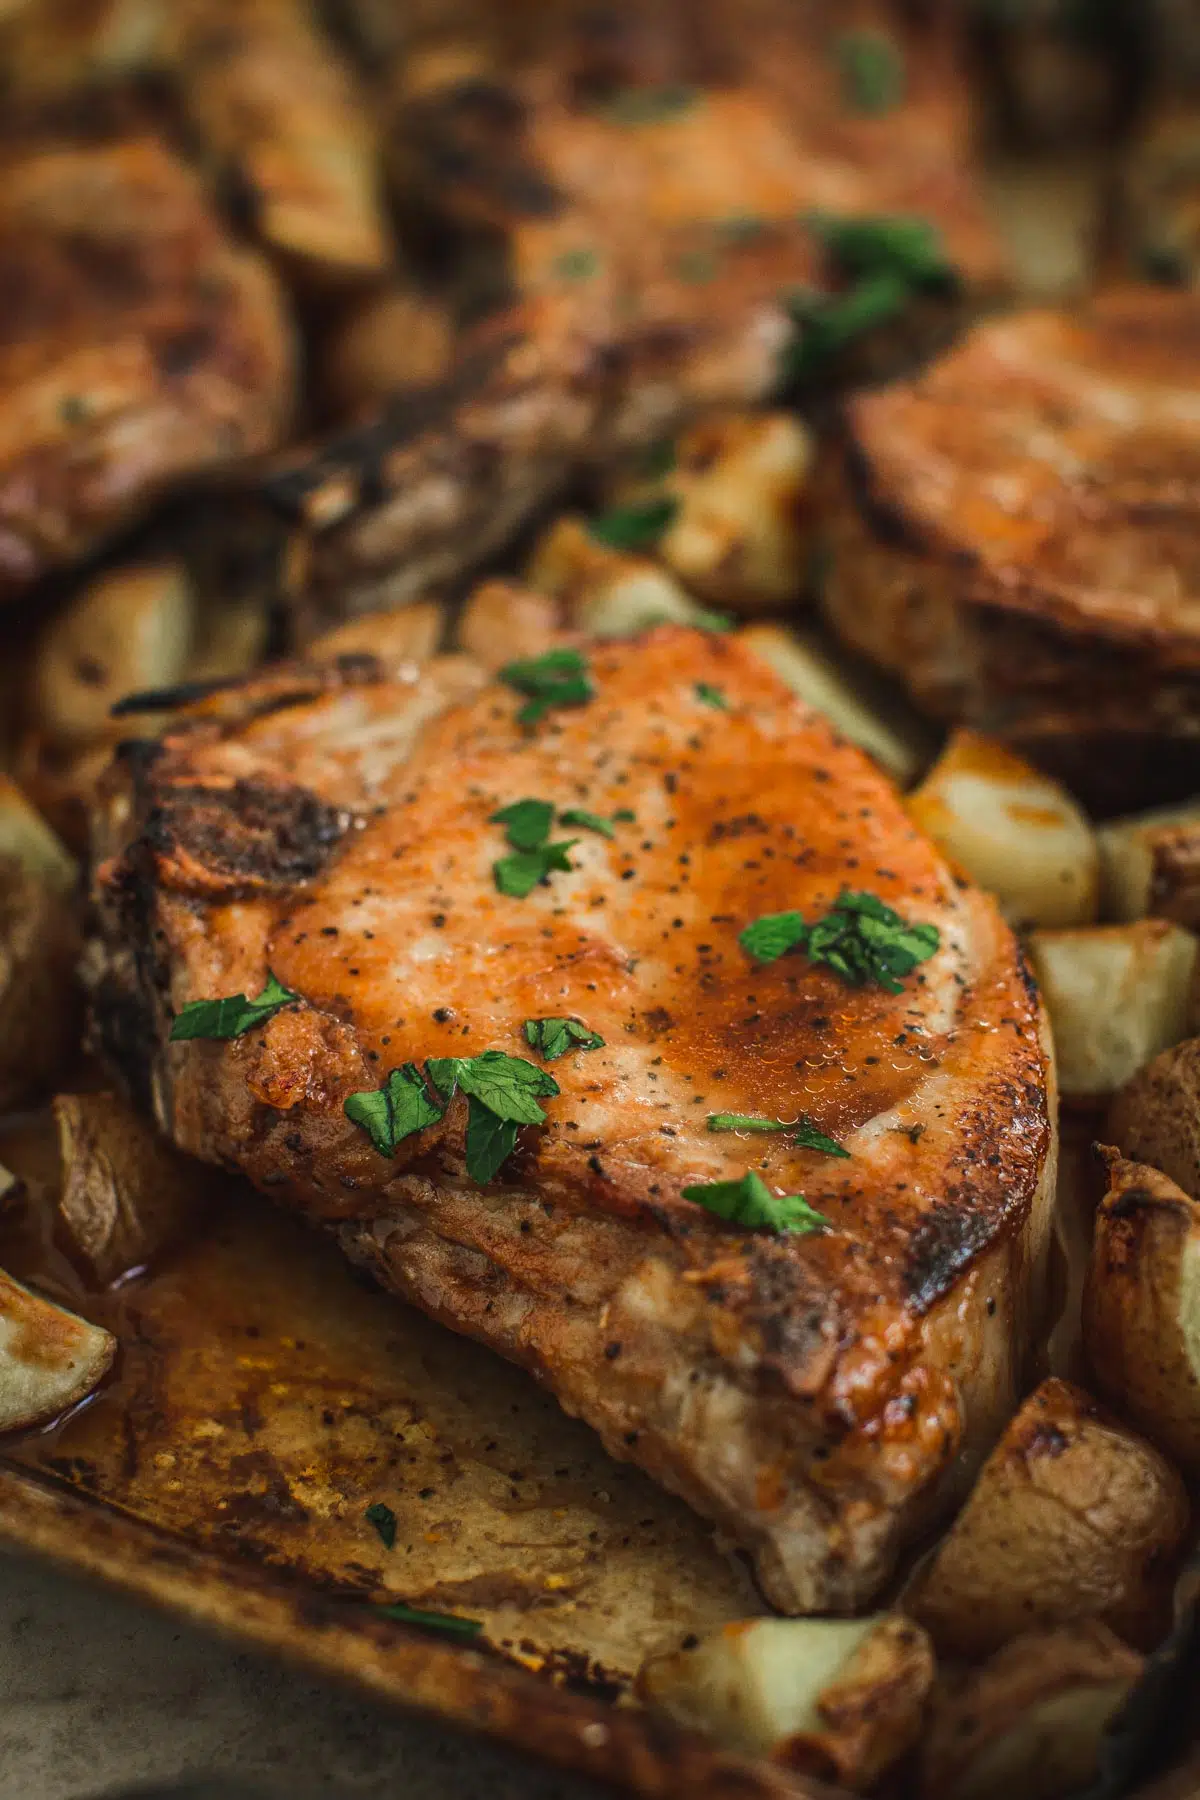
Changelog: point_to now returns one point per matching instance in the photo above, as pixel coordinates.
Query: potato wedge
(842, 1699)
(1116, 995)
(49, 1358)
(606, 592)
(407, 635)
(1141, 1307)
(740, 534)
(1012, 829)
(1072, 1517)
(901, 746)
(1155, 1118)
(1150, 864)
(40, 1004)
(130, 629)
(1030, 1721)
(126, 1194)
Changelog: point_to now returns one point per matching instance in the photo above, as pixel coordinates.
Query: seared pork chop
(641, 196)
(139, 344)
(819, 1391)
(1016, 533)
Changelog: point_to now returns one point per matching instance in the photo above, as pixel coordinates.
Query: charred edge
(1137, 1200)
(473, 134)
(252, 832)
(942, 1245)
(359, 455)
(788, 1312)
(124, 1023)
(165, 699)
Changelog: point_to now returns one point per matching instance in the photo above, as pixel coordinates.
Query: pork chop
(139, 343)
(1016, 533)
(818, 1379)
(641, 189)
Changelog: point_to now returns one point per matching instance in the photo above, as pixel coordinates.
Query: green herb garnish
(552, 1038)
(394, 1111)
(384, 1520)
(526, 823)
(706, 619)
(805, 1135)
(657, 460)
(559, 678)
(872, 71)
(587, 821)
(750, 1202)
(577, 265)
(742, 228)
(452, 1623)
(517, 875)
(635, 527)
(230, 1017)
(696, 265)
(859, 938)
(647, 106)
(711, 696)
(624, 815)
(886, 261)
(879, 244)
(502, 1092)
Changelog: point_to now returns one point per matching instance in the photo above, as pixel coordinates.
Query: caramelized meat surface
(819, 1395)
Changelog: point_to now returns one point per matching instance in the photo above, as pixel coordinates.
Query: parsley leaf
(883, 243)
(657, 459)
(554, 1037)
(384, 1520)
(706, 618)
(526, 823)
(805, 1135)
(635, 527)
(750, 1202)
(696, 265)
(711, 696)
(773, 935)
(507, 1085)
(490, 1141)
(517, 875)
(230, 1017)
(872, 71)
(394, 1111)
(587, 821)
(453, 1623)
(646, 106)
(624, 815)
(559, 678)
(577, 265)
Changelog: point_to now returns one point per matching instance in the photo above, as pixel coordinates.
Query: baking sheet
(264, 1396)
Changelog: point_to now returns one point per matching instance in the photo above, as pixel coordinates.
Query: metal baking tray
(264, 1397)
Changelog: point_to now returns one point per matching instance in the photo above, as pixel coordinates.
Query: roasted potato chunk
(410, 634)
(391, 341)
(898, 745)
(1155, 1118)
(503, 621)
(739, 533)
(1012, 829)
(49, 1359)
(1117, 995)
(39, 945)
(1072, 1517)
(842, 1699)
(1141, 1306)
(606, 592)
(126, 1193)
(1029, 1722)
(1150, 864)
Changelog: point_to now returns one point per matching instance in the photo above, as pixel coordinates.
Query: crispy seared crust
(139, 344)
(820, 1395)
(1015, 534)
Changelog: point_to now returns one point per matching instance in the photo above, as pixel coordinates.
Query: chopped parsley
(696, 265)
(657, 460)
(517, 875)
(705, 618)
(878, 244)
(394, 1111)
(384, 1520)
(552, 1038)
(647, 106)
(750, 1202)
(559, 678)
(711, 696)
(872, 71)
(577, 265)
(587, 821)
(624, 815)
(526, 823)
(805, 1135)
(742, 228)
(635, 527)
(452, 1623)
(860, 938)
(230, 1017)
(502, 1093)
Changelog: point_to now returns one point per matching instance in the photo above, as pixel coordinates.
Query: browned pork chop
(818, 1394)
(1016, 533)
(643, 183)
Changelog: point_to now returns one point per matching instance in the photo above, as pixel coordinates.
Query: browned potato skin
(1155, 1117)
(40, 1006)
(1132, 1306)
(1072, 1517)
(392, 341)
(976, 1713)
(871, 1714)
